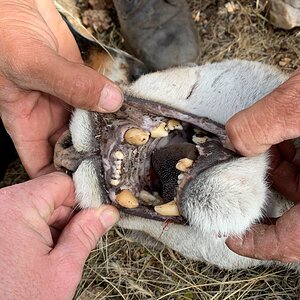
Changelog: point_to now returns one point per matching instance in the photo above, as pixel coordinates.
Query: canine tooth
(126, 199)
(119, 155)
(159, 131)
(184, 164)
(169, 209)
(114, 182)
(136, 136)
(199, 140)
(174, 124)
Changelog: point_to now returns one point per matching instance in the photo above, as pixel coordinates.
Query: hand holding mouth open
(274, 120)
(41, 76)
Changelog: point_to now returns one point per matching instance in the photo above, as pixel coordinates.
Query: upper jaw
(125, 165)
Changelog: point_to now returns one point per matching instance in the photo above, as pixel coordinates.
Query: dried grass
(121, 269)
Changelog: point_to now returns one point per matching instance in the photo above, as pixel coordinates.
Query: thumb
(260, 243)
(271, 120)
(74, 83)
(80, 236)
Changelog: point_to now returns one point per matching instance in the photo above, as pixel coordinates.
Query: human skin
(274, 120)
(41, 76)
(43, 244)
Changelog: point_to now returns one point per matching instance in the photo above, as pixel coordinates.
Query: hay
(121, 269)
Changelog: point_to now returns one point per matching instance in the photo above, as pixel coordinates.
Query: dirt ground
(121, 269)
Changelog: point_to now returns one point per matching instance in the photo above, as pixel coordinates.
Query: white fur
(229, 197)
(81, 130)
(226, 194)
(87, 185)
(219, 90)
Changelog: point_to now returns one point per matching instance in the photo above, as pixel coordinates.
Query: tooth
(199, 140)
(169, 209)
(119, 155)
(116, 175)
(184, 164)
(126, 199)
(149, 198)
(174, 124)
(144, 195)
(180, 176)
(118, 164)
(159, 131)
(114, 182)
(136, 136)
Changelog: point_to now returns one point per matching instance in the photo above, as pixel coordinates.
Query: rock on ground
(284, 13)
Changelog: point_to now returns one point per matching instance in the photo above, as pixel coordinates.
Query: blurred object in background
(284, 13)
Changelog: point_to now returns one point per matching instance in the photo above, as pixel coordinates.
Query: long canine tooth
(184, 164)
(169, 209)
(126, 199)
(119, 155)
(159, 131)
(174, 124)
(136, 136)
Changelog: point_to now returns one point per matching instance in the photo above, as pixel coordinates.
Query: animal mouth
(147, 155)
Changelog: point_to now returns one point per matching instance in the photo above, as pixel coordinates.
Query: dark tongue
(164, 162)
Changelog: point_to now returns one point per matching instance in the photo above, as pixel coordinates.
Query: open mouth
(148, 153)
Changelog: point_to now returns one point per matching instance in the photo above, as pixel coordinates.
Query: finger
(61, 217)
(259, 243)
(80, 236)
(74, 83)
(271, 120)
(46, 193)
(271, 242)
(286, 180)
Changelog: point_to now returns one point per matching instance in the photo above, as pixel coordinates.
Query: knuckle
(82, 90)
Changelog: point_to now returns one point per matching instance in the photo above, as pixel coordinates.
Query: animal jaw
(146, 154)
(224, 199)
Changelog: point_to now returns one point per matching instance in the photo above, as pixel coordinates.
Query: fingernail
(111, 98)
(108, 217)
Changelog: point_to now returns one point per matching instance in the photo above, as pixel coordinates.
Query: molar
(149, 198)
(136, 136)
(199, 140)
(159, 131)
(184, 164)
(174, 124)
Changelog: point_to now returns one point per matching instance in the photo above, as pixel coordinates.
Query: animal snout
(136, 69)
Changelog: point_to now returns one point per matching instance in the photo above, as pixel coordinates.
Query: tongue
(164, 162)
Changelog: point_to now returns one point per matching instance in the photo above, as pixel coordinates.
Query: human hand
(41, 76)
(273, 119)
(281, 240)
(43, 248)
